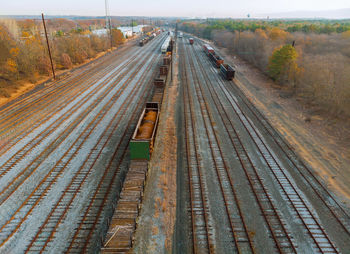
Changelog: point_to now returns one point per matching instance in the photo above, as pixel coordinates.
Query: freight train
(165, 46)
(146, 39)
(226, 70)
(149, 36)
(216, 59)
(141, 144)
(208, 49)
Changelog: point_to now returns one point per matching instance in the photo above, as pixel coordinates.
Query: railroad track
(244, 243)
(319, 189)
(47, 130)
(336, 212)
(49, 183)
(302, 210)
(341, 216)
(41, 239)
(273, 221)
(25, 109)
(15, 155)
(200, 224)
(240, 235)
(76, 74)
(19, 155)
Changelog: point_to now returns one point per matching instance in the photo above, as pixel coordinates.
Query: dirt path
(156, 223)
(321, 141)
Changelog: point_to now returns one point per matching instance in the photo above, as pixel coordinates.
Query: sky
(177, 8)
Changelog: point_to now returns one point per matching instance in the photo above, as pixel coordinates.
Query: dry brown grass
(157, 205)
(155, 230)
(164, 206)
(7, 88)
(163, 179)
(326, 81)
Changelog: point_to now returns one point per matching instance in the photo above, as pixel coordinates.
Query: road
(244, 189)
(63, 152)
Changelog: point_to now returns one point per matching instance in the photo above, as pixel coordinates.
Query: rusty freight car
(141, 144)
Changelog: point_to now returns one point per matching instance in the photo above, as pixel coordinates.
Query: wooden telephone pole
(48, 47)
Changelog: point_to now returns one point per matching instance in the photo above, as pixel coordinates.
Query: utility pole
(110, 31)
(172, 65)
(106, 14)
(132, 27)
(108, 22)
(176, 31)
(48, 47)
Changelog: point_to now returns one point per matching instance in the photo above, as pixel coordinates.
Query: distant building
(100, 32)
(126, 30)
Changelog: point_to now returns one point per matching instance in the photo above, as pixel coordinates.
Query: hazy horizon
(180, 8)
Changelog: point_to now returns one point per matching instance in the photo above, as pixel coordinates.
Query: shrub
(66, 62)
(44, 65)
(282, 63)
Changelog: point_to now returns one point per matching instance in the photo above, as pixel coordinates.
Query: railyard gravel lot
(63, 152)
(243, 188)
(233, 183)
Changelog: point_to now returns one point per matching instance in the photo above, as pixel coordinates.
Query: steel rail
(49, 149)
(239, 229)
(51, 128)
(197, 200)
(294, 159)
(277, 228)
(306, 216)
(46, 188)
(100, 188)
(57, 92)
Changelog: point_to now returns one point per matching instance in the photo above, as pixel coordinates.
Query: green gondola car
(141, 144)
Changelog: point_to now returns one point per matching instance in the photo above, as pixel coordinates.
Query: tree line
(306, 26)
(313, 62)
(23, 50)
